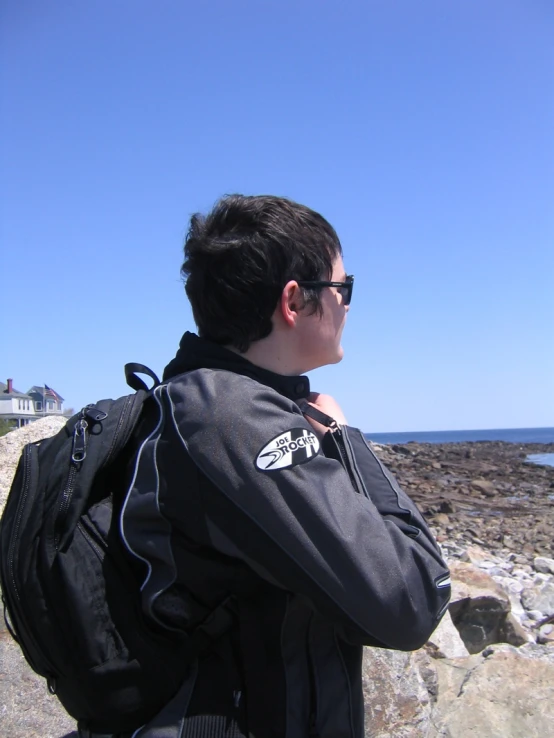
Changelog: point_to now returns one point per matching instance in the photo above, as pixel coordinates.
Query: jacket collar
(198, 353)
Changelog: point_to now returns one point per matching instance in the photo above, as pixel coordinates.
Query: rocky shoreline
(487, 671)
(482, 492)
(490, 507)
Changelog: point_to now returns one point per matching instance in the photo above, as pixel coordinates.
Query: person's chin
(334, 358)
(337, 356)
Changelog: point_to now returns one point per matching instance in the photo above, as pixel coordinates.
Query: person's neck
(270, 353)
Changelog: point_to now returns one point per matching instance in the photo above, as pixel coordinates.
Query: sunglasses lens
(346, 292)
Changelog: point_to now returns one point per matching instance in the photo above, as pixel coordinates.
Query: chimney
(10, 386)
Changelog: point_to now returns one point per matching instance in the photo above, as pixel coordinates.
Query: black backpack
(71, 595)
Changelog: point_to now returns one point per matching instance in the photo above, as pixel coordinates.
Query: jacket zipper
(341, 445)
(312, 727)
(360, 485)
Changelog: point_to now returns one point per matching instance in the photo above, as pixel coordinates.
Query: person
(250, 492)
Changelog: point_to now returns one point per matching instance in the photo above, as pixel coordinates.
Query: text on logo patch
(296, 446)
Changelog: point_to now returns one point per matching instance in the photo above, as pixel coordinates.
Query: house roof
(14, 393)
(35, 390)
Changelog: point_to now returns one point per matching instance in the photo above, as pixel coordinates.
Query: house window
(38, 405)
(50, 405)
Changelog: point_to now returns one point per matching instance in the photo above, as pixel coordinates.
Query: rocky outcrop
(397, 698)
(500, 694)
(446, 642)
(479, 607)
(486, 672)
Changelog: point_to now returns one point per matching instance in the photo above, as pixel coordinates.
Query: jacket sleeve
(340, 533)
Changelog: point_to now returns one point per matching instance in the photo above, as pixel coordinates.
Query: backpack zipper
(78, 454)
(21, 505)
(27, 451)
(91, 540)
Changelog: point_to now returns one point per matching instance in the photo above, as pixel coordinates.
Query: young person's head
(242, 256)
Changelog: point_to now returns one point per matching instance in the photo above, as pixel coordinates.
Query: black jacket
(231, 495)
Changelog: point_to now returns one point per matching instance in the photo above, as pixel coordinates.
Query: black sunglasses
(345, 288)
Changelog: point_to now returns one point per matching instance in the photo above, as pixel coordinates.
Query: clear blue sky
(423, 131)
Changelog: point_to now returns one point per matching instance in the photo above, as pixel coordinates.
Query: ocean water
(542, 460)
(511, 435)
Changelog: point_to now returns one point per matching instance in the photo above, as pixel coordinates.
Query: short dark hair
(239, 257)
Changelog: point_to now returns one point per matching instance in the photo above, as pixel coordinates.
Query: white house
(20, 408)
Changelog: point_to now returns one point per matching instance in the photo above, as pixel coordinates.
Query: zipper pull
(315, 414)
(79, 449)
(95, 414)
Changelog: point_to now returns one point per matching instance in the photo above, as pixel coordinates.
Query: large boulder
(479, 606)
(506, 695)
(446, 642)
(396, 695)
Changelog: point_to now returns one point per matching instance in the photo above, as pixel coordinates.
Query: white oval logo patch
(296, 446)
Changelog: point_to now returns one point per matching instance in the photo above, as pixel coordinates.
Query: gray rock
(522, 575)
(446, 642)
(478, 607)
(486, 565)
(397, 700)
(476, 700)
(508, 584)
(529, 650)
(512, 631)
(546, 634)
(539, 598)
(543, 564)
(483, 486)
(539, 578)
(452, 550)
(535, 651)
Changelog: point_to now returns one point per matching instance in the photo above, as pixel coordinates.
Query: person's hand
(328, 405)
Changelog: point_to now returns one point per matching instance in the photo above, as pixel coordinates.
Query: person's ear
(291, 303)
